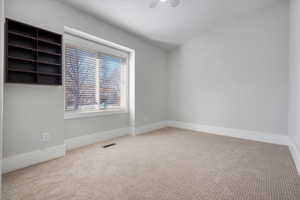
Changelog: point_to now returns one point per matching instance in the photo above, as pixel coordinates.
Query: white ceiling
(166, 25)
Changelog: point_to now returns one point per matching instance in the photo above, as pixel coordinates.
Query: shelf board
(32, 49)
(21, 47)
(33, 83)
(33, 72)
(21, 70)
(33, 61)
(48, 63)
(21, 34)
(48, 74)
(49, 42)
(48, 52)
(21, 59)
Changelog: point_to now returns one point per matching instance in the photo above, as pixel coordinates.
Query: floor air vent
(109, 145)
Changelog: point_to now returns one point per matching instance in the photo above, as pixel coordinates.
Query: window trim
(130, 61)
(97, 113)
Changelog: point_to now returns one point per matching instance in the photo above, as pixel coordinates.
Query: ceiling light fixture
(172, 3)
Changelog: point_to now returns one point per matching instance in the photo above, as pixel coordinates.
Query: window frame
(124, 107)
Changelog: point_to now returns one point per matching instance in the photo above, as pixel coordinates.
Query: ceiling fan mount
(172, 3)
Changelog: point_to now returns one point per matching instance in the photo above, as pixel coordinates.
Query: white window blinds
(94, 79)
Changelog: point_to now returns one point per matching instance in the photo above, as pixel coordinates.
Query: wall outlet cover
(46, 137)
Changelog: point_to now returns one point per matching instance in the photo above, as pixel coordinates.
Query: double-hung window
(95, 78)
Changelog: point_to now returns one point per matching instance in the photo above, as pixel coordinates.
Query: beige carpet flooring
(170, 164)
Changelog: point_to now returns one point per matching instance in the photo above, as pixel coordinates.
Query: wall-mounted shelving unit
(33, 55)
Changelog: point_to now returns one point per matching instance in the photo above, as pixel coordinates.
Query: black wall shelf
(33, 55)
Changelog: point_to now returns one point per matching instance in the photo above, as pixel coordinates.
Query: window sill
(76, 115)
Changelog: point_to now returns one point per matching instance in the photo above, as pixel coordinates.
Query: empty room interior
(150, 99)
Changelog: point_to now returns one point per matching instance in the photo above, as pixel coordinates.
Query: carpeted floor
(169, 164)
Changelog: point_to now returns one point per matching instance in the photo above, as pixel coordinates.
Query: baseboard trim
(244, 134)
(296, 156)
(31, 158)
(28, 159)
(237, 133)
(81, 141)
(151, 127)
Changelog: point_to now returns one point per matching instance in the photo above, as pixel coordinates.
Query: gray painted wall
(234, 76)
(31, 110)
(1, 81)
(294, 84)
(243, 87)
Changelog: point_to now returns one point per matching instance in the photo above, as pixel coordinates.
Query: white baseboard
(31, 158)
(244, 134)
(151, 127)
(237, 133)
(27, 159)
(80, 141)
(296, 156)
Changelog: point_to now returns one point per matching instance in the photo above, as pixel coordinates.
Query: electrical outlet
(46, 137)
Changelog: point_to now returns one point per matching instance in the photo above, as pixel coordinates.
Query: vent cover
(109, 145)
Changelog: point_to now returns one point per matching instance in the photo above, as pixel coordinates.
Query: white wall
(31, 110)
(234, 76)
(1, 81)
(294, 84)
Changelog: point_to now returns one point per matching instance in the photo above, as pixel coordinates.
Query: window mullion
(97, 88)
(99, 76)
